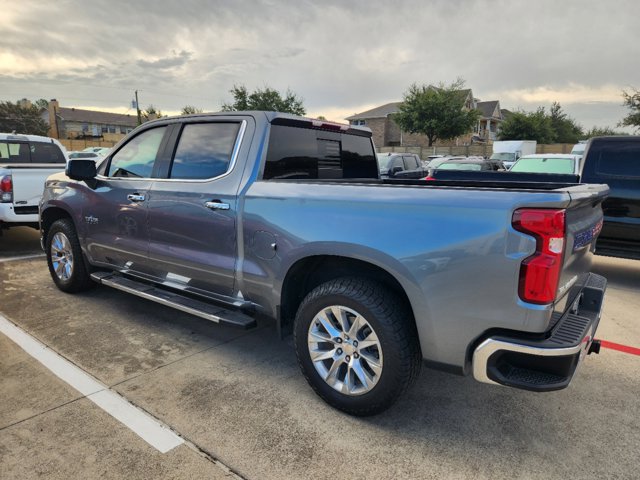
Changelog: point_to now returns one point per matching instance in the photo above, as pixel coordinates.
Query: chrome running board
(208, 311)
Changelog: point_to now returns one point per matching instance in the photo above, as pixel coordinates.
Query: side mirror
(82, 169)
(396, 169)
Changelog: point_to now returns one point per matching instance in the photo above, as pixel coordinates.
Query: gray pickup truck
(237, 215)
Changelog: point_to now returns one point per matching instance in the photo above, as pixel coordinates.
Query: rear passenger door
(193, 208)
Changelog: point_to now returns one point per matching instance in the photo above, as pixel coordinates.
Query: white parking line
(23, 257)
(147, 427)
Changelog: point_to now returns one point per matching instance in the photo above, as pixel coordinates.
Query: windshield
(578, 149)
(544, 165)
(383, 161)
(460, 166)
(504, 156)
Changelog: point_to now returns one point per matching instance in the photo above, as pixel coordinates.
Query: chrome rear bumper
(544, 364)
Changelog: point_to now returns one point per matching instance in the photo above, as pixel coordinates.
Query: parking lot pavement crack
(230, 472)
(40, 414)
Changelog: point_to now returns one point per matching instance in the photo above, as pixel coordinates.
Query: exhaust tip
(594, 347)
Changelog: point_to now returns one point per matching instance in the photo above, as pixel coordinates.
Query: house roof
(92, 116)
(378, 112)
(505, 113)
(488, 108)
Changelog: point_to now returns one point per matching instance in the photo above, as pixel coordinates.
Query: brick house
(387, 133)
(75, 123)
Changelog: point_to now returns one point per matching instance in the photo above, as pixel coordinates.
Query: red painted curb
(620, 348)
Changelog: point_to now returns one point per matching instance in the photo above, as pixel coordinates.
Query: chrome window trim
(232, 163)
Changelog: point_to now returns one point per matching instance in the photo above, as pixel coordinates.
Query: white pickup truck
(25, 163)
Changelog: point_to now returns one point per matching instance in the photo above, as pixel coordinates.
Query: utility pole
(138, 109)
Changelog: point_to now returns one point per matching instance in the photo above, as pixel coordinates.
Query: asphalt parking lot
(241, 406)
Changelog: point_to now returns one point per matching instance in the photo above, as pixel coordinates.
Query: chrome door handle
(216, 205)
(134, 197)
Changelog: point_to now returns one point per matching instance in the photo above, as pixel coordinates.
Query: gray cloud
(336, 55)
(176, 60)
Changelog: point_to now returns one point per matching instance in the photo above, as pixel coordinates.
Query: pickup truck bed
(372, 276)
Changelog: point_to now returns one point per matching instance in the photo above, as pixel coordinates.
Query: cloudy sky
(341, 57)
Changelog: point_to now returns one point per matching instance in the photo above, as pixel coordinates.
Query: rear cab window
(31, 152)
(298, 151)
(619, 159)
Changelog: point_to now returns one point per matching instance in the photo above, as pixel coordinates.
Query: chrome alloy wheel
(62, 256)
(345, 350)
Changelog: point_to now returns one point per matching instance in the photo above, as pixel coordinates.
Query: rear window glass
(619, 159)
(31, 152)
(46, 153)
(15, 152)
(460, 166)
(304, 153)
(544, 165)
(204, 150)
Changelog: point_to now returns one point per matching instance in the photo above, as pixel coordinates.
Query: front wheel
(356, 345)
(64, 257)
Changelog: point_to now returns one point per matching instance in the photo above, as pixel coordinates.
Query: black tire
(76, 278)
(391, 321)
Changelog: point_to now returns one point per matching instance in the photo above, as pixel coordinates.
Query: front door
(115, 214)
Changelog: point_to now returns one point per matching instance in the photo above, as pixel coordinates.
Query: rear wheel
(64, 257)
(356, 345)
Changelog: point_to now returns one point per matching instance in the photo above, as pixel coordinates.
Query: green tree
(632, 101)
(190, 109)
(437, 112)
(601, 132)
(27, 120)
(266, 99)
(565, 128)
(528, 126)
(41, 104)
(151, 113)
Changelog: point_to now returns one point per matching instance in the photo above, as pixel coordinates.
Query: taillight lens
(430, 178)
(6, 189)
(540, 273)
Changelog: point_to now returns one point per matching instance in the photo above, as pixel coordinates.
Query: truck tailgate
(28, 181)
(583, 223)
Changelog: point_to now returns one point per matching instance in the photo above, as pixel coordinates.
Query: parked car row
(95, 153)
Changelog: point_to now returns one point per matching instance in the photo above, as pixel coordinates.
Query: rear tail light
(540, 273)
(429, 178)
(6, 189)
